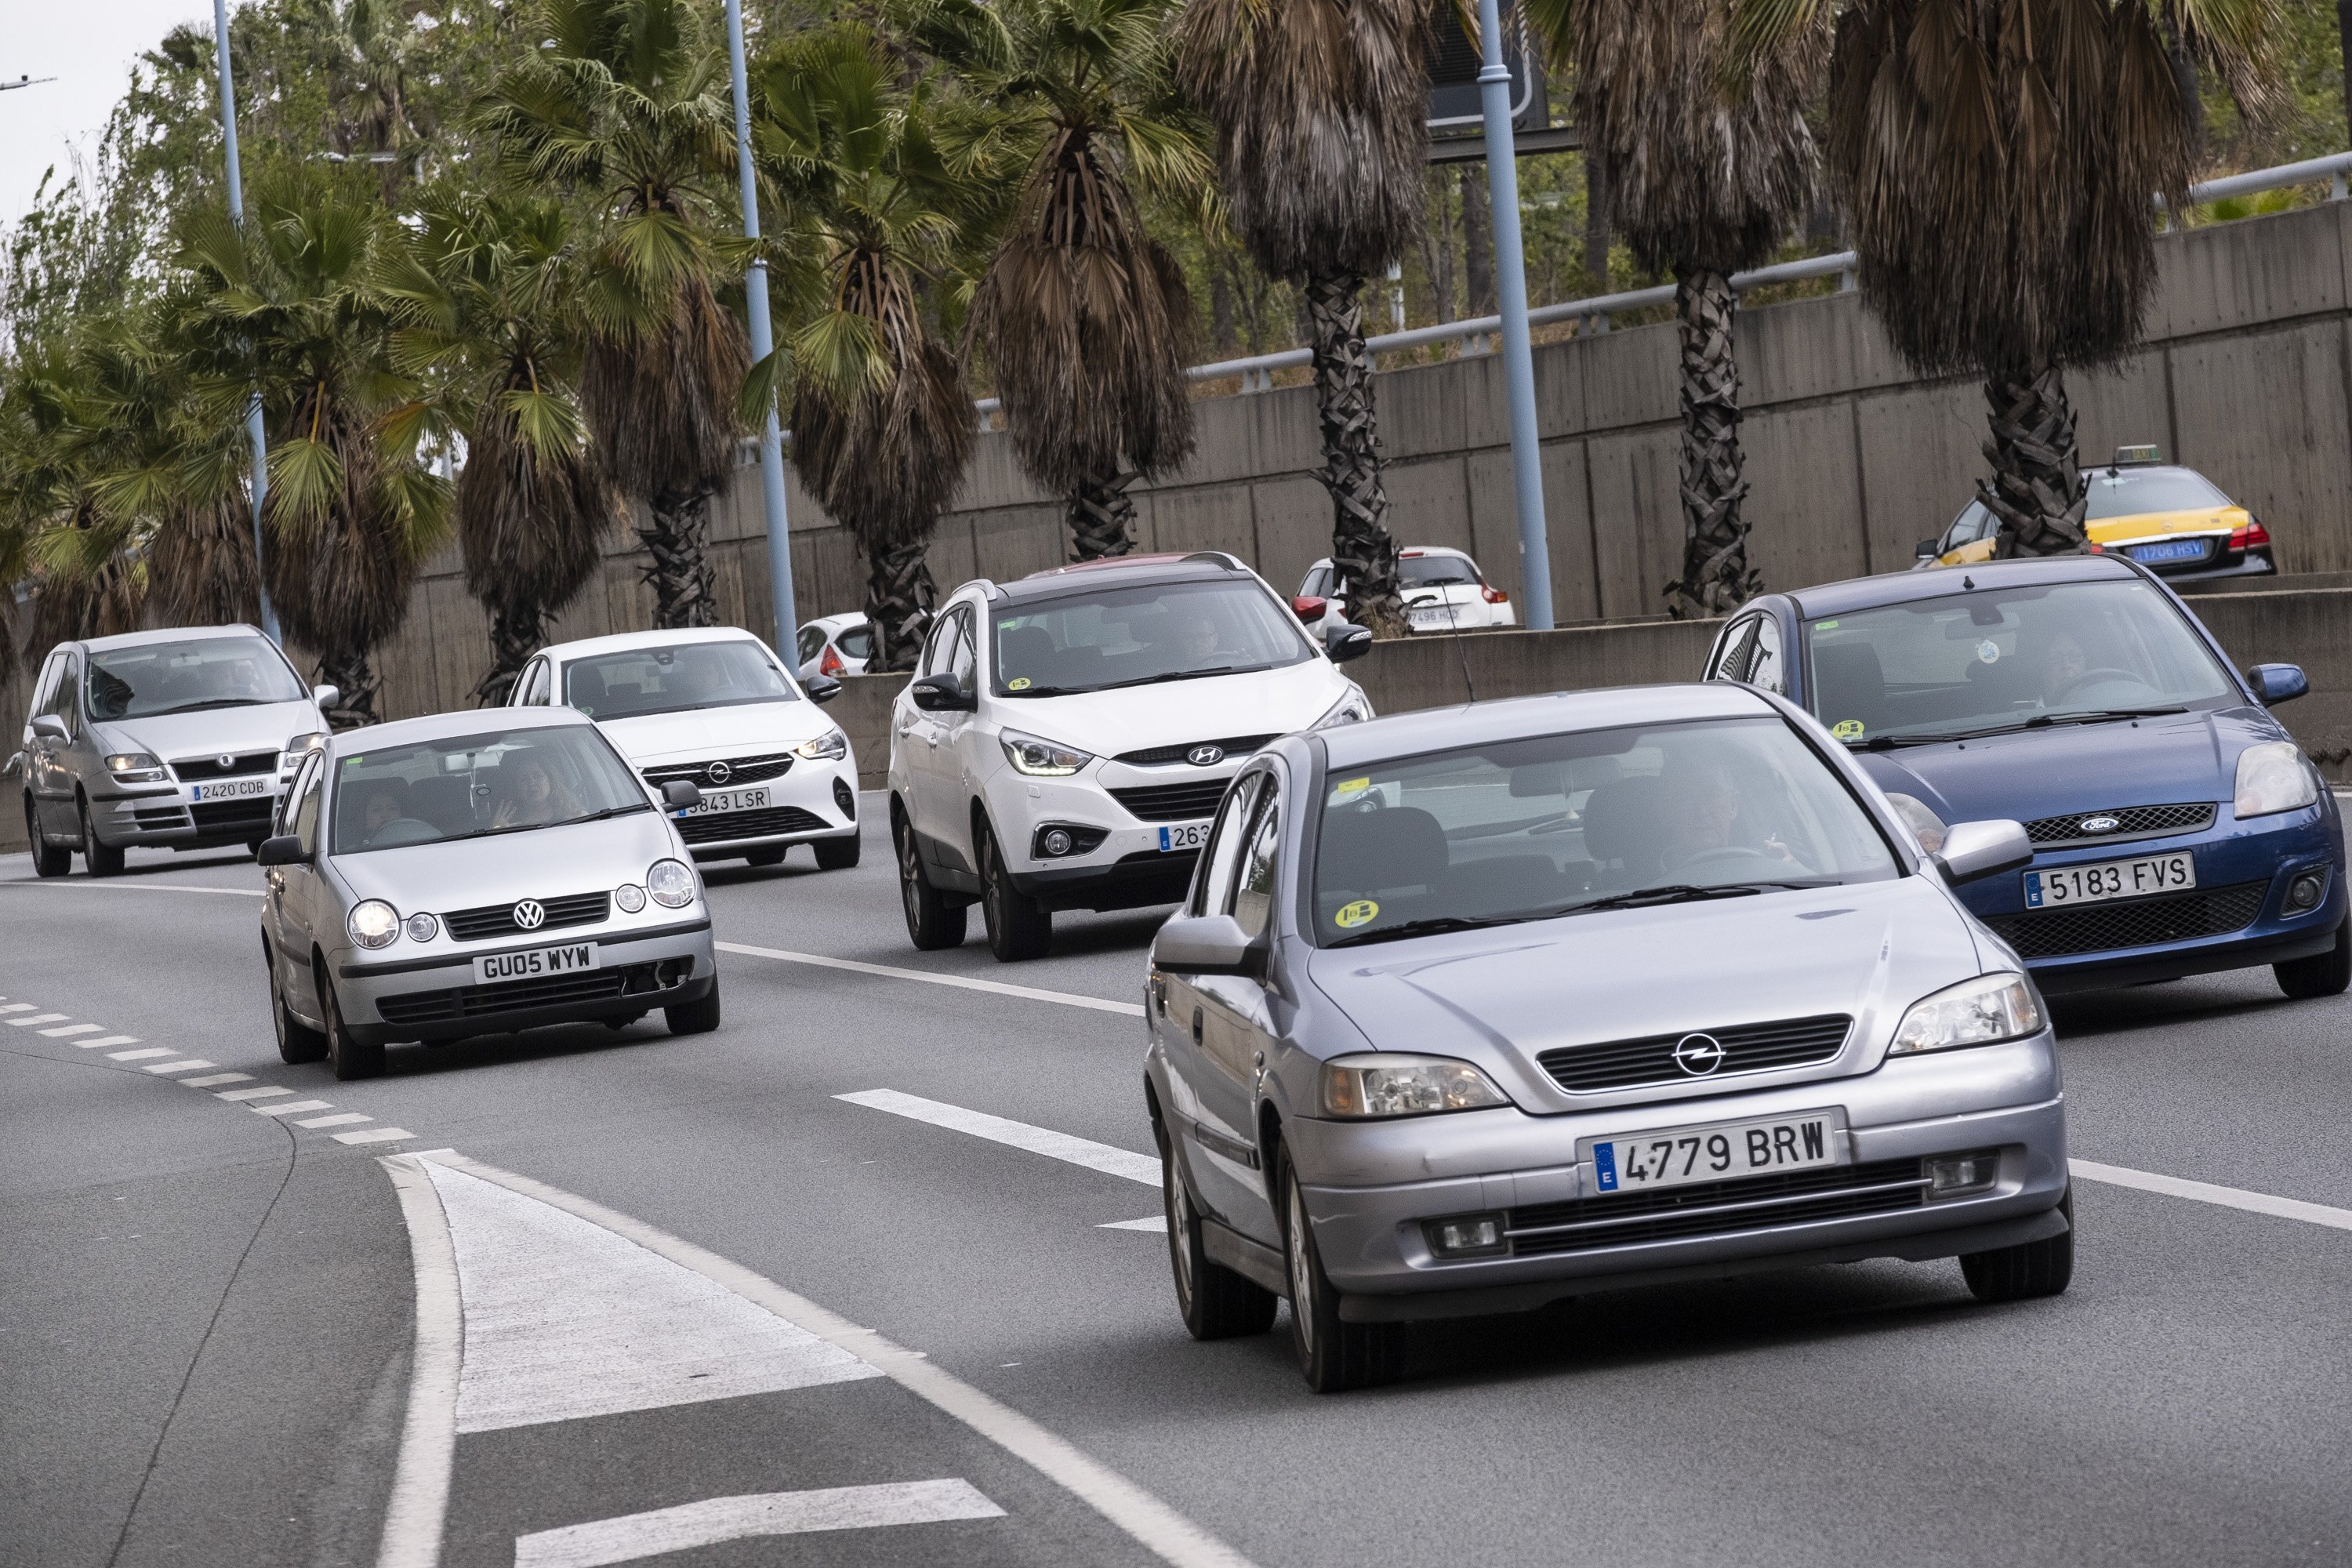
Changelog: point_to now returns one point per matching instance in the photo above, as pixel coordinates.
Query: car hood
(548, 862)
(1501, 997)
(1267, 703)
(213, 731)
(698, 733)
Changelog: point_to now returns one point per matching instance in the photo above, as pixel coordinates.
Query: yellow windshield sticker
(1361, 912)
(1846, 728)
(1347, 787)
(1018, 683)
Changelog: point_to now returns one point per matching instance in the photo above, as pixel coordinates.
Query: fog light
(630, 896)
(2305, 892)
(1058, 841)
(423, 927)
(846, 799)
(1465, 1234)
(1961, 1172)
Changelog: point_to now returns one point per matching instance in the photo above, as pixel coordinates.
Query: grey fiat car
(474, 874)
(1471, 1009)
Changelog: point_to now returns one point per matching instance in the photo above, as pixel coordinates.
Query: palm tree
(1705, 168)
(1086, 318)
(483, 292)
(1998, 159)
(882, 420)
(1320, 108)
(53, 444)
(623, 102)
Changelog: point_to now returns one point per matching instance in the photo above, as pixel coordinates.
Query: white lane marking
(340, 1119)
(217, 1078)
(1154, 1221)
(144, 1053)
(1043, 1140)
(637, 1535)
(266, 1092)
(112, 887)
(291, 1110)
(39, 1018)
(74, 1029)
(565, 1319)
(17, 1007)
(963, 982)
(106, 1040)
(419, 1504)
(2207, 1192)
(191, 1065)
(1151, 1523)
(373, 1135)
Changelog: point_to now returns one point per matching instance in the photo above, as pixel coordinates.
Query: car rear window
(2125, 493)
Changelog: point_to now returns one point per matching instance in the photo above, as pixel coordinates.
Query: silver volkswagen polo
(1472, 1009)
(473, 874)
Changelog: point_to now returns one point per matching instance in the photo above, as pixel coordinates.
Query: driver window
(1222, 856)
(1764, 664)
(1254, 892)
(306, 808)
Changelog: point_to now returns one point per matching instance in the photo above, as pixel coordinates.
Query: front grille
(748, 825)
(210, 768)
(1233, 746)
(497, 919)
(1747, 1047)
(1716, 1208)
(254, 812)
(740, 770)
(2142, 923)
(2131, 822)
(464, 1002)
(1173, 802)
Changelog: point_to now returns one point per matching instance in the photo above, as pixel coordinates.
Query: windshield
(1435, 571)
(2007, 658)
(670, 680)
(471, 785)
(1558, 824)
(1134, 636)
(2128, 493)
(183, 676)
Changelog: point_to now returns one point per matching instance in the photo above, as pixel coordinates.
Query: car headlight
(373, 923)
(1041, 758)
(1352, 708)
(1981, 1012)
(1394, 1085)
(135, 767)
(297, 748)
(2274, 776)
(630, 896)
(422, 927)
(1924, 824)
(829, 747)
(671, 882)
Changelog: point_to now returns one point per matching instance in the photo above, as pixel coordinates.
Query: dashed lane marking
(17, 1007)
(74, 1029)
(1154, 1221)
(1043, 1140)
(266, 1092)
(107, 1040)
(637, 1535)
(340, 1119)
(217, 1078)
(373, 1135)
(960, 982)
(144, 1054)
(291, 1110)
(191, 1065)
(2207, 1192)
(39, 1018)
(114, 887)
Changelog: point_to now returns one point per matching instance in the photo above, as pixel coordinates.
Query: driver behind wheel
(1705, 817)
(2062, 663)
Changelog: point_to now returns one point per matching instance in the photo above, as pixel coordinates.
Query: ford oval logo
(1698, 1055)
(718, 772)
(2099, 824)
(1204, 756)
(529, 914)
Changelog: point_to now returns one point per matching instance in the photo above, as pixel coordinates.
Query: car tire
(694, 1017)
(97, 857)
(296, 1041)
(347, 1055)
(2323, 973)
(1216, 1302)
(932, 922)
(1018, 929)
(838, 853)
(48, 860)
(2026, 1270)
(1333, 1354)
(766, 857)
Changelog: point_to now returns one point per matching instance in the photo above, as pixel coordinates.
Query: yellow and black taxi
(2173, 520)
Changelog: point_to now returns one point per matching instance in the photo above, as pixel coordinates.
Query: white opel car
(1067, 738)
(1444, 591)
(715, 707)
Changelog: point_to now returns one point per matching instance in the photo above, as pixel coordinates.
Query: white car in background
(836, 646)
(1067, 738)
(1444, 592)
(715, 707)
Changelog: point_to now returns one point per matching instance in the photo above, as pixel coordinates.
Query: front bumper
(178, 816)
(396, 997)
(1369, 1230)
(1127, 868)
(811, 801)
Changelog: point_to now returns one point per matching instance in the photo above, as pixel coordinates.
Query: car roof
(1909, 587)
(446, 726)
(1553, 713)
(841, 622)
(623, 642)
(165, 634)
(1120, 572)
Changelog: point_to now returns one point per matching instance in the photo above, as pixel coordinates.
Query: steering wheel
(2103, 673)
(1722, 854)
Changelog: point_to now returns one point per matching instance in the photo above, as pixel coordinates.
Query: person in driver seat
(1702, 817)
(533, 796)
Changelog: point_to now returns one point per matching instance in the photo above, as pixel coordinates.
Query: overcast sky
(89, 46)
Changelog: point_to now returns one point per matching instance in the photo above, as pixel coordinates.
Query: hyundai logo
(1698, 1055)
(1204, 756)
(529, 914)
(718, 772)
(2099, 824)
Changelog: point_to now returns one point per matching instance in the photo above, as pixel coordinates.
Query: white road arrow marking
(637, 1535)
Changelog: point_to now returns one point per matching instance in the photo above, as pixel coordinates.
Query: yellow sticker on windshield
(1346, 787)
(1018, 683)
(1358, 913)
(1846, 728)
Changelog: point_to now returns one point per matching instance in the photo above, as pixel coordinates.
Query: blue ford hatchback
(2178, 828)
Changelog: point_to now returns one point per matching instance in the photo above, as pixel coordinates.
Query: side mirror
(1349, 642)
(2277, 683)
(326, 695)
(821, 687)
(49, 727)
(283, 850)
(1311, 607)
(681, 795)
(943, 693)
(1925, 550)
(1976, 849)
(1207, 944)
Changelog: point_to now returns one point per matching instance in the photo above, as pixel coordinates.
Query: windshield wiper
(1430, 924)
(610, 811)
(1672, 893)
(209, 702)
(2018, 726)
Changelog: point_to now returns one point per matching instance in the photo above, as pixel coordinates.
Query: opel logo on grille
(718, 772)
(2098, 825)
(1698, 1055)
(1202, 756)
(225, 762)
(529, 914)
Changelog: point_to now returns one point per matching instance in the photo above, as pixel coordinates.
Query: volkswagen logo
(1204, 756)
(1698, 1055)
(529, 914)
(2098, 825)
(718, 772)
(225, 762)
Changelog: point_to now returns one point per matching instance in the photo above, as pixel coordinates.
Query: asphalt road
(682, 1272)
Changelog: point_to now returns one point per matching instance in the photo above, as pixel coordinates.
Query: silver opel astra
(1472, 1009)
(473, 874)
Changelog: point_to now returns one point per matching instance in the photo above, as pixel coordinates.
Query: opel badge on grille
(1698, 1055)
(1205, 756)
(718, 772)
(529, 914)
(2099, 824)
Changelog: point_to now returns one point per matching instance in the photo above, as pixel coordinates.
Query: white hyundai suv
(715, 707)
(1067, 738)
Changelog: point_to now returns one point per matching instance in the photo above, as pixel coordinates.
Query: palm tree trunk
(352, 672)
(1362, 552)
(517, 631)
(1716, 576)
(1102, 517)
(899, 596)
(679, 543)
(2036, 489)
